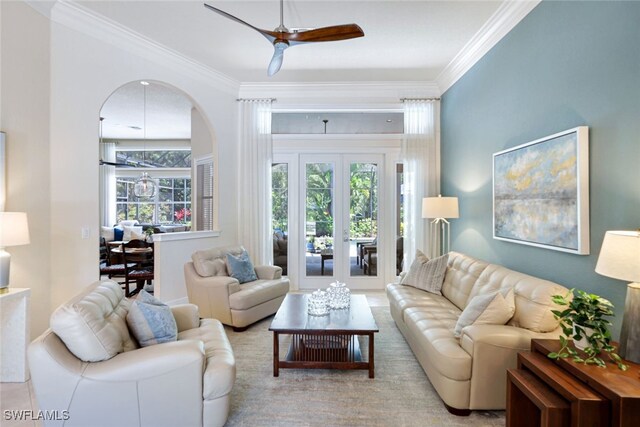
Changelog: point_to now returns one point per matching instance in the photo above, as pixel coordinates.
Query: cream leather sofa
(224, 298)
(182, 383)
(470, 372)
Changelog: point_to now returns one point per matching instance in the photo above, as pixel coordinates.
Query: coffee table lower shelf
(323, 351)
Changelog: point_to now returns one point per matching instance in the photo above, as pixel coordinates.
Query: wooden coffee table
(323, 342)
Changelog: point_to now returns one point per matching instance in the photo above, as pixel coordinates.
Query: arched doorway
(152, 128)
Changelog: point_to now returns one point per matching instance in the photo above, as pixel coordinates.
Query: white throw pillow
(107, 233)
(138, 236)
(128, 230)
(489, 309)
(426, 274)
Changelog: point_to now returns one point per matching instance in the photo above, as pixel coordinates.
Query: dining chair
(107, 267)
(138, 260)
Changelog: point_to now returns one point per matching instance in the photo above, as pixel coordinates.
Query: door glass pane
(363, 219)
(319, 219)
(280, 214)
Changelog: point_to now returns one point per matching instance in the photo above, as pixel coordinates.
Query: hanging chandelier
(145, 186)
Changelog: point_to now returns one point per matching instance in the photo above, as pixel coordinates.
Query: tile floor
(20, 396)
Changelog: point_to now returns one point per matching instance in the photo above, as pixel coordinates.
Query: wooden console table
(546, 392)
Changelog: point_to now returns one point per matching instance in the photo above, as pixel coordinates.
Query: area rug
(400, 395)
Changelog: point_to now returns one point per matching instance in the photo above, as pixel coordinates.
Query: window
(205, 189)
(170, 167)
(171, 205)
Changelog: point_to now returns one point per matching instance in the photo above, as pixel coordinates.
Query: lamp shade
(14, 229)
(620, 256)
(440, 207)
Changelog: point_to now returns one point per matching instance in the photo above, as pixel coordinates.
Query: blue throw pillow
(118, 233)
(241, 268)
(151, 321)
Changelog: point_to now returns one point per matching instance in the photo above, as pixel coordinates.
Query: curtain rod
(419, 99)
(257, 99)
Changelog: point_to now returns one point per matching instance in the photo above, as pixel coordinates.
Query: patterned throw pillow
(491, 309)
(241, 268)
(151, 321)
(426, 274)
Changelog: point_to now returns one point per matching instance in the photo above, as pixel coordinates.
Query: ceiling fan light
(145, 186)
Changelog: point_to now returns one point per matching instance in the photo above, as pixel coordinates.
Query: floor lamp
(439, 209)
(620, 258)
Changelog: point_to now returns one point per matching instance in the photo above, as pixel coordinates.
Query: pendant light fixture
(145, 186)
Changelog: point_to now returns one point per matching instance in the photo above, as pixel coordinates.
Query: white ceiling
(404, 40)
(166, 114)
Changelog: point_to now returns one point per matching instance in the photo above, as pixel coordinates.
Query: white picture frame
(541, 192)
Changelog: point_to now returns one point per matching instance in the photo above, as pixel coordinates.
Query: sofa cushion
(532, 296)
(212, 262)
(487, 309)
(241, 268)
(219, 369)
(462, 273)
(432, 327)
(534, 304)
(92, 324)
(151, 321)
(257, 292)
(403, 297)
(426, 274)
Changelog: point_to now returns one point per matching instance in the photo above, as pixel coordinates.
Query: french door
(339, 211)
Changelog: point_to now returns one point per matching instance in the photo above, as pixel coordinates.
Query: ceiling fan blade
(268, 34)
(104, 162)
(278, 56)
(324, 34)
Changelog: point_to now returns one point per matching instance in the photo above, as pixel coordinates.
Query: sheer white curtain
(108, 185)
(254, 227)
(420, 155)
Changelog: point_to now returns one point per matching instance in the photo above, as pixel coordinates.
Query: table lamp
(620, 258)
(439, 209)
(14, 231)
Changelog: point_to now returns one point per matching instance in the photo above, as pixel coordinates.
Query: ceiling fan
(281, 38)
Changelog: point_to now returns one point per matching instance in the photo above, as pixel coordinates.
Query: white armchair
(186, 382)
(222, 297)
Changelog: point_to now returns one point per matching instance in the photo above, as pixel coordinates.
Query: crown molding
(43, 7)
(74, 16)
(508, 15)
(339, 94)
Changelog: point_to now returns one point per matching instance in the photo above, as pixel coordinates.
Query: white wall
(84, 72)
(54, 82)
(25, 118)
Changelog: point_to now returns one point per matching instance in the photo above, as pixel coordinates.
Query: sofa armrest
(494, 349)
(503, 336)
(186, 315)
(268, 272)
(149, 362)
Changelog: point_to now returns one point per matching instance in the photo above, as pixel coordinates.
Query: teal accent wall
(566, 64)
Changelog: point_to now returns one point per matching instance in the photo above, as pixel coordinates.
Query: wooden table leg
(371, 361)
(276, 354)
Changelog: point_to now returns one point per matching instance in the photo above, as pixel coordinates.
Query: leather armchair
(222, 297)
(186, 382)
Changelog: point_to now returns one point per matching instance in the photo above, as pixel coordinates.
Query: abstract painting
(541, 192)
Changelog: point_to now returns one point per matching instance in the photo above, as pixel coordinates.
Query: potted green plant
(584, 321)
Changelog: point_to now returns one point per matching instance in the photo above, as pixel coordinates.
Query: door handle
(345, 236)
